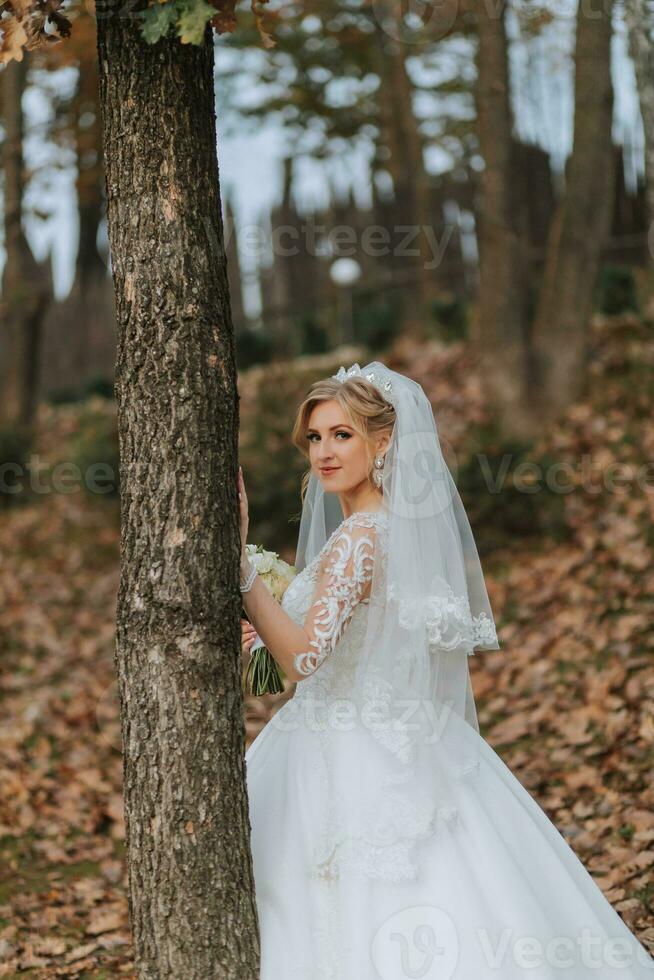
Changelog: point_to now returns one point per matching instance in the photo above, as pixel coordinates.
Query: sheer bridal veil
(416, 720)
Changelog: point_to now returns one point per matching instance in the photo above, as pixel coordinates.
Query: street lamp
(344, 273)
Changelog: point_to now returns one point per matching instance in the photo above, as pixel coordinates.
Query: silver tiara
(383, 385)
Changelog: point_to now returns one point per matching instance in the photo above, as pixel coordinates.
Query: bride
(389, 840)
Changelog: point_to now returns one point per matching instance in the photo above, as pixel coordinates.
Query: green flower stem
(263, 674)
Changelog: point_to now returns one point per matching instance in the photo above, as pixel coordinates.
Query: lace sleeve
(343, 580)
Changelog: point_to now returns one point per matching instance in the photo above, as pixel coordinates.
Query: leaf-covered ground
(568, 702)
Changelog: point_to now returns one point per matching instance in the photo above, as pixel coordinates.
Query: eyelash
(348, 434)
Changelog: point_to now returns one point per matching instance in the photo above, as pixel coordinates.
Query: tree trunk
(640, 24)
(580, 225)
(191, 886)
(501, 330)
(401, 140)
(26, 285)
(87, 294)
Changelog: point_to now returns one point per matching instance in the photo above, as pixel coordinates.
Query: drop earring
(377, 473)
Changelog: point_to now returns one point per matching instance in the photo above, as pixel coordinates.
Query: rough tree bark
(501, 330)
(26, 284)
(580, 225)
(191, 888)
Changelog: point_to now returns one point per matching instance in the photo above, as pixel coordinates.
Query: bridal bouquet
(262, 672)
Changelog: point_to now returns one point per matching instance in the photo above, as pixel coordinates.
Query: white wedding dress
(494, 892)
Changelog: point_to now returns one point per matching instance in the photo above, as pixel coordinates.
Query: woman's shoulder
(351, 528)
(361, 525)
(365, 518)
(360, 520)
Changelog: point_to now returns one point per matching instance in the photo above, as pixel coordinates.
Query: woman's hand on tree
(243, 509)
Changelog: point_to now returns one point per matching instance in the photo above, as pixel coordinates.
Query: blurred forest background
(493, 242)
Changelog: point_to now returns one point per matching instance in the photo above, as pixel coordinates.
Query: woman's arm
(342, 581)
(280, 634)
(284, 638)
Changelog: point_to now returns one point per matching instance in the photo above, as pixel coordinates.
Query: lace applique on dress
(342, 581)
(447, 619)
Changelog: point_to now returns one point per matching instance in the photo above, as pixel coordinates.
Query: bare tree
(26, 284)
(501, 328)
(401, 140)
(639, 15)
(534, 368)
(87, 295)
(580, 225)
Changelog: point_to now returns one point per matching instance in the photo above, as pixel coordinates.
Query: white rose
(264, 561)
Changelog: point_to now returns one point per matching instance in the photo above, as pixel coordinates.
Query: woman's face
(337, 452)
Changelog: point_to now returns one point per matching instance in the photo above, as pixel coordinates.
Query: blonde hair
(367, 410)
